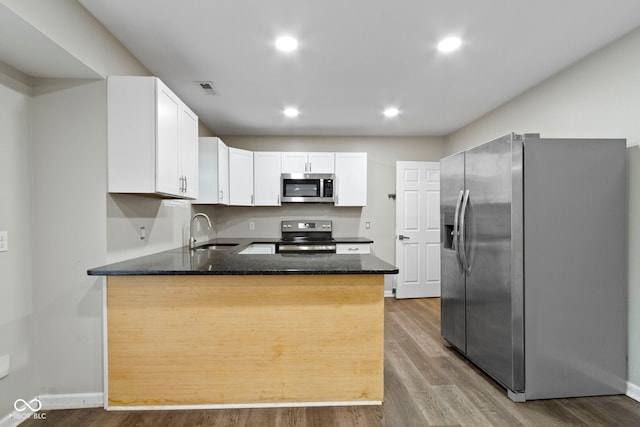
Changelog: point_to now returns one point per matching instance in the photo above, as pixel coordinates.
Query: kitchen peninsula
(212, 327)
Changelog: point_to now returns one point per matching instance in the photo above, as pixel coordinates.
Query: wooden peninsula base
(233, 340)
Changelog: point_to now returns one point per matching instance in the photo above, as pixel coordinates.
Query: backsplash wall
(235, 221)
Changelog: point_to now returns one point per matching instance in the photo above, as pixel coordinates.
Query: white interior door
(418, 229)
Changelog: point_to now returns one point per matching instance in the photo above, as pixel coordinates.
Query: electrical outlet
(252, 225)
(367, 225)
(143, 233)
(4, 241)
(4, 365)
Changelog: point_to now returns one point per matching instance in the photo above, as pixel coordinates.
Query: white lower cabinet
(259, 249)
(353, 248)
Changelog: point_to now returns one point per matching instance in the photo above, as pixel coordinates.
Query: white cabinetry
(351, 179)
(259, 249)
(307, 162)
(267, 166)
(189, 153)
(213, 155)
(353, 248)
(152, 139)
(240, 177)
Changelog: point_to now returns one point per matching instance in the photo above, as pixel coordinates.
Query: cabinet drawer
(353, 248)
(259, 248)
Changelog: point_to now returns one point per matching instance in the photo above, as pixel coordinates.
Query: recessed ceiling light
(449, 44)
(286, 44)
(391, 112)
(291, 112)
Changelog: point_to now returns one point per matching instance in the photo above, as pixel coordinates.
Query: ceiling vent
(207, 87)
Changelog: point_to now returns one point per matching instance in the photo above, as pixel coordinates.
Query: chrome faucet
(192, 240)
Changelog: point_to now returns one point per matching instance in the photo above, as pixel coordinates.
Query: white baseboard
(72, 401)
(388, 294)
(245, 405)
(51, 402)
(633, 391)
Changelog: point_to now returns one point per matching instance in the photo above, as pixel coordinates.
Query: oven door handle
(289, 248)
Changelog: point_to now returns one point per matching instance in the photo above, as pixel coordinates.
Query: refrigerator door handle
(456, 230)
(462, 249)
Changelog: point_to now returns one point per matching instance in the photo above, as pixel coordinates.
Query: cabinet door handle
(252, 200)
(182, 184)
(221, 195)
(186, 184)
(352, 249)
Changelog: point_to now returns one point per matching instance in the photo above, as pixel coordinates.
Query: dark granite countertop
(183, 261)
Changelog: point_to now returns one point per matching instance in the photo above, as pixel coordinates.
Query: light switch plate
(4, 241)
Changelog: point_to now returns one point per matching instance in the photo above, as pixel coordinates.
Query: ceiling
(357, 57)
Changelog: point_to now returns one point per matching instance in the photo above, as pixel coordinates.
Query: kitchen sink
(216, 247)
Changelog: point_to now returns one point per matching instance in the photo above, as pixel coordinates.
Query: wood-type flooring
(426, 384)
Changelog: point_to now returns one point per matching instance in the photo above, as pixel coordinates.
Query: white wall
(72, 27)
(166, 224)
(597, 97)
(60, 219)
(17, 329)
(69, 226)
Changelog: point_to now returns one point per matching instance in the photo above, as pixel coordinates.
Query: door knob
(401, 237)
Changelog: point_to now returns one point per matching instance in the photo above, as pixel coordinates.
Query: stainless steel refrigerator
(534, 263)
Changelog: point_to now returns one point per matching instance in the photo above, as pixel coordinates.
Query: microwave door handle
(456, 230)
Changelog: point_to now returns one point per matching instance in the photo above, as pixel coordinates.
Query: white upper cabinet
(213, 155)
(152, 139)
(351, 179)
(294, 162)
(266, 181)
(240, 177)
(189, 153)
(321, 162)
(167, 141)
(307, 162)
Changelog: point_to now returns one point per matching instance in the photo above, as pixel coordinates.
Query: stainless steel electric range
(306, 236)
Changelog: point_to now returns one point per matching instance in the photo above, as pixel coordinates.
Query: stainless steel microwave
(307, 187)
